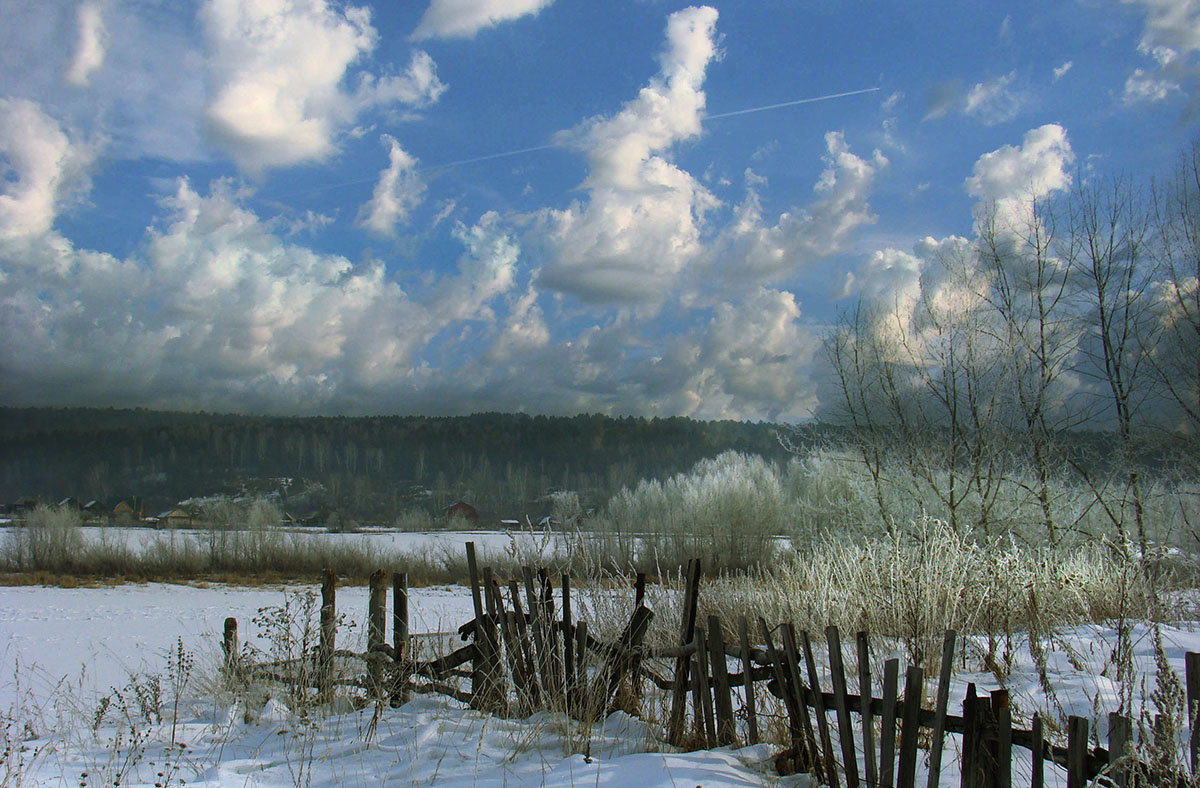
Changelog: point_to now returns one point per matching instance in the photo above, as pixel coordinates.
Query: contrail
(517, 152)
(766, 107)
(489, 157)
(431, 168)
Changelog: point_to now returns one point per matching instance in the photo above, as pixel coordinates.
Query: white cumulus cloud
(465, 18)
(1006, 179)
(751, 248)
(217, 310)
(276, 70)
(398, 191)
(41, 169)
(641, 222)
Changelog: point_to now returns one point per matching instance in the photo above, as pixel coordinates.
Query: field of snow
(65, 649)
(377, 539)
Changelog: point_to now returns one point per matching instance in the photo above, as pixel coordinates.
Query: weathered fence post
(229, 645)
(325, 642)
(568, 633)
(864, 694)
(584, 698)
(557, 671)
(703, 690)
(376, 616)
(687, 635)
(1191, 672)
(943, 700)
(635, 667)
(722, 695)
(1120, 731)
(485, 683)
(887, 734)
(1001, 744)
(814, 683)
(400, 643)
(804, 748)
(1077, 752)
(837, 676)
(973, 768)
(525, 646)
(914, 682)
(748, 682)
(1038, 778)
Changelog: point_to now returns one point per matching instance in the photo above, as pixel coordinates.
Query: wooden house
(463, 510)
(176, 518)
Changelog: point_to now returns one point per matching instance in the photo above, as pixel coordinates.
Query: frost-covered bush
(565, 508)
(733, 506)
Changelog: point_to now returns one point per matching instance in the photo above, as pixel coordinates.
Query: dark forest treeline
(371, 468)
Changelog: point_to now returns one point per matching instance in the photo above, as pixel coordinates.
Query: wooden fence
(524, 655)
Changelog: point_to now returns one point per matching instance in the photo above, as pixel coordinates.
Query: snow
(65, 649)
(51, 633)
(138, 539)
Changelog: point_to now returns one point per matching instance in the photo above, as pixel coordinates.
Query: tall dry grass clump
(915, 583)
(50, 539)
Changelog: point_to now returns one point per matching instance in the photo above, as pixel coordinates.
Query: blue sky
(551, 206)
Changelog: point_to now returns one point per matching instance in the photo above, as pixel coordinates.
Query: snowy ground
(66, 649)
(137, 538)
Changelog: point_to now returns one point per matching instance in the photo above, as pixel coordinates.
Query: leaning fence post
(914, 682)
(481, 664)
(864, 709)
(814, 683)
(837, 676)
(722, 695)
(635, 669)
(943, 699)
(887, 731)
(748, 682)
(687, 635)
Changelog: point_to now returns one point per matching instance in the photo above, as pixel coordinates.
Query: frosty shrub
(565, 508)
(49, 540)
(733, 506)
(414, 519)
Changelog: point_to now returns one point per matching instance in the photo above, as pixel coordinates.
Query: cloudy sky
(553, 206)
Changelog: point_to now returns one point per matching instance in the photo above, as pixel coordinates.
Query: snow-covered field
(377, 539)
(65, 649)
